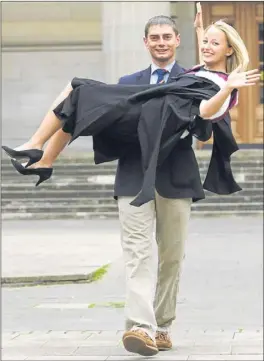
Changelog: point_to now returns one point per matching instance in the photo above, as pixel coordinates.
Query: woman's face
(215, 48)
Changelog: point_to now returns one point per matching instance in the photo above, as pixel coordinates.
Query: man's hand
(198, 22)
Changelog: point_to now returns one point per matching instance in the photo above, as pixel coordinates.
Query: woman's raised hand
(198, 22)
(238, 79)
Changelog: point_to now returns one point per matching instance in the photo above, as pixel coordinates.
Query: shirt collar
(168, 67)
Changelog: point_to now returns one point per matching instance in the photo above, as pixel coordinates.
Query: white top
(219, 79)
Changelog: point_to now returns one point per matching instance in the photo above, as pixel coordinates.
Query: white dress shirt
(154, 77)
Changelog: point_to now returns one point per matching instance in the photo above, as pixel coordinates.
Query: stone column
(123, 31)
(184, 14)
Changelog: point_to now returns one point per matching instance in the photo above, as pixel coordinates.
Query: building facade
(46, 44)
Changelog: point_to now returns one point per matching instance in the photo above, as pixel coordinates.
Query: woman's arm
(198, 24)
(236, 80)
(200, 36)
(210, 107)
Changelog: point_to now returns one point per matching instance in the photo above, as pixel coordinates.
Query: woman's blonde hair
(240, 53)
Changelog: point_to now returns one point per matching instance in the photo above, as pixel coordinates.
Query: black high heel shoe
(43, 173)
(34, 155)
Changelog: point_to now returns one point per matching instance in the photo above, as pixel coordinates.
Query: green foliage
(99, 273)
(107, 305)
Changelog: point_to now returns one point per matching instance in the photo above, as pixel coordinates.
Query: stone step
(66, 185)
(82, 190)
(67, 202)
(98, 208)
(5, 166)
(114, 215)
(34, 193)
(102, 177)
(202, 155)
(112, 168)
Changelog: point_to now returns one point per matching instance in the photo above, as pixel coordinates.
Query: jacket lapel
(144, 76)
(176, 70)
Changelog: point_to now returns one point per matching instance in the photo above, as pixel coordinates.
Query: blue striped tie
(161, 73)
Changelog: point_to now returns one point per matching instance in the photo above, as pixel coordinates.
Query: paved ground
(55, 248)
(219, 314)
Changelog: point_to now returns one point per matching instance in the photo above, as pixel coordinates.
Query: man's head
(161, 39)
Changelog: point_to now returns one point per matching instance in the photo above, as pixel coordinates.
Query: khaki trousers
(137, 228)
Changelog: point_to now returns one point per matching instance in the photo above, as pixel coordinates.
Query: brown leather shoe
(163, 341)
(138, 341)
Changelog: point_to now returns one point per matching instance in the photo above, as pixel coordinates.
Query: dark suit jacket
(178, 177)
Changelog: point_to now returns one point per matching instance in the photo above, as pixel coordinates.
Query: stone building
(45, 44)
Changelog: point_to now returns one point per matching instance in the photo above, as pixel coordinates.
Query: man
(177, 183)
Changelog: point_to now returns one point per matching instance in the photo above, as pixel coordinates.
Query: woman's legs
(55, 146)
(47, 128)
(50, 125)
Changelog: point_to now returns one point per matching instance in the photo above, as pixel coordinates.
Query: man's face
(162, 43)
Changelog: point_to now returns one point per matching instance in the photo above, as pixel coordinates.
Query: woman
(225, 65)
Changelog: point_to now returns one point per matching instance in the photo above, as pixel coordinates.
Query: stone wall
(184, 13)
(32, 80)
(45, 44)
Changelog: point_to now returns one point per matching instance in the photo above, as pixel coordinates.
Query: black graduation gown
(156, 117)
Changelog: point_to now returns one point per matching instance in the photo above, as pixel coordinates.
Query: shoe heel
(43, 176)
(32, 160)
(34, 155)
(43, 173)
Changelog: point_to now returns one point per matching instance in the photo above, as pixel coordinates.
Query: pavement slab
(219, 307)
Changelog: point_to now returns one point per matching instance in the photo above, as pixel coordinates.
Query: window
(261, 32)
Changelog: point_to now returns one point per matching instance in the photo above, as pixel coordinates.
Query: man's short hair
(161, 20)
